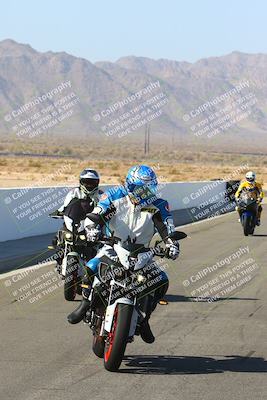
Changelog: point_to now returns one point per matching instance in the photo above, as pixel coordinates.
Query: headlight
(68, 235)
(82, 237)
(140, 278)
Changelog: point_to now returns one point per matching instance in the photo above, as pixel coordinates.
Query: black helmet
(89, 181)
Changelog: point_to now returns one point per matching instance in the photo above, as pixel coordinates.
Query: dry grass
(26, 171)
(177, 161)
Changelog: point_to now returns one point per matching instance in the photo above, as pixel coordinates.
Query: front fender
(110, 312)
(73, 253)
(65, 261)
(247, 213)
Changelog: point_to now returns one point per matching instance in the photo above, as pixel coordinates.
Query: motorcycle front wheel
(71, 280)
(246, 224)
(117, 339)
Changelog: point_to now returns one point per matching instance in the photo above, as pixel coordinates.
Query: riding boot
(146, 332)
(79, 313)
(259, 215)
(144, 329)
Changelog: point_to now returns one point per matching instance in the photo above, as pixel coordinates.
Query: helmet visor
(141, 193)
(250, 179)
(89, 184)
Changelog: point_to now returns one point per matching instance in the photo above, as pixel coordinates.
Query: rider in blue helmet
(133, 212)
(141, 184)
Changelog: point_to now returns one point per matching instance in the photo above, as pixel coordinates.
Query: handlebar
(56, 215)
(243, 200)
(159, 251)
(109, 240)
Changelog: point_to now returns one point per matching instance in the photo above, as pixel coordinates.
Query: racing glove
(173, 249)
(93, 233)
(108, 251)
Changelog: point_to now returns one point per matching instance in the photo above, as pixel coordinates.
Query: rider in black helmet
(79, 201)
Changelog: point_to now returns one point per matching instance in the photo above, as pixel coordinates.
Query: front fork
(69, 253)
(110, 312)
(64, 261)
(140, 313)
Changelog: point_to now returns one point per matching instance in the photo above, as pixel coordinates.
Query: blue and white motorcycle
(122, 294)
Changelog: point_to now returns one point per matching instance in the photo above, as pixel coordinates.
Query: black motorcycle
(73, 249)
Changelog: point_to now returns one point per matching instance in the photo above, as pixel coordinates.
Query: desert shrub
(35, 163)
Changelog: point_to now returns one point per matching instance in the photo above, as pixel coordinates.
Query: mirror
(96, 218)
(178, 235)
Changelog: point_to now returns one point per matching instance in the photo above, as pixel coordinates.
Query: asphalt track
(204, 349)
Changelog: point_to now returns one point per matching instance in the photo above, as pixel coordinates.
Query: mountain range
(26, 74)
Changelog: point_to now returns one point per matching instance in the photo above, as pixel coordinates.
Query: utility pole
(145, 149)
(147, 139)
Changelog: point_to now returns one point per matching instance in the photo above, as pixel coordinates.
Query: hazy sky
(110, 29)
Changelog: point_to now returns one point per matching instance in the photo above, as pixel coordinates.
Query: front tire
(71, 279)
(117, 339)
(246, 224)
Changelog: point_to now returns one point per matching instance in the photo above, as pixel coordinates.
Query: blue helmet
(141, 183)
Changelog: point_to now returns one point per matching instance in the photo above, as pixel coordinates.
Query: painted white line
(27, 269)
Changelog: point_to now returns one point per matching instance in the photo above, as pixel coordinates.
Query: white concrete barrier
(182, 195)
(24, 211)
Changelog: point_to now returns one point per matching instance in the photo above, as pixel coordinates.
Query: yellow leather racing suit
(255, 191)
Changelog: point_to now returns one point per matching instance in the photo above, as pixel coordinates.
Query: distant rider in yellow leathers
(255, 190)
